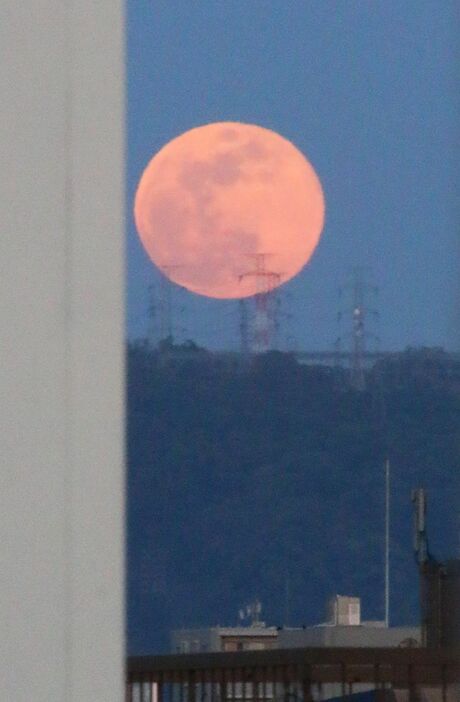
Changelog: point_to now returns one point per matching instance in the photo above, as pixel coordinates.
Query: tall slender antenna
(387, 542)
(287, 600)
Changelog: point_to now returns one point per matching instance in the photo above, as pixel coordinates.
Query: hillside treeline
(266, 479)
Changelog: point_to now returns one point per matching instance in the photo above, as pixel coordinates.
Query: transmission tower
(165, 305)
(358, 292)
(161, 307)
(264, 320)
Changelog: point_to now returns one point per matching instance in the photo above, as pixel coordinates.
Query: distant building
(343, 628)
(367, 634)
(254, 636)
(440, 598)
(221, 638)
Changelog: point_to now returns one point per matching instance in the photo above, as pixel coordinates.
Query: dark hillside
(240, 480)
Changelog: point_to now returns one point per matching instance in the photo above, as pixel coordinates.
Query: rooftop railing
(296, 675)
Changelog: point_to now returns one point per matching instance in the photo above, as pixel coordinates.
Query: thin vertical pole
(387, 542)
(244, 328)
(287, 601)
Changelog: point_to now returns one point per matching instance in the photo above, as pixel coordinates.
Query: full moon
(222, 202)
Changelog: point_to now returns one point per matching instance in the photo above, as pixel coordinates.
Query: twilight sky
(368, 90)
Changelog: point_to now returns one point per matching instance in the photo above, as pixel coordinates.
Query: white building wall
(61, 352)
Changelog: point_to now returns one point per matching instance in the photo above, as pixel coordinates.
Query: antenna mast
(420, 537)
(387, 542)
(287, 603)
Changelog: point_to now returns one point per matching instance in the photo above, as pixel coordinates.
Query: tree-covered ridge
(243, 479)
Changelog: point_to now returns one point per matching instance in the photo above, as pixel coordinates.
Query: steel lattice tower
(359, 291)
(161, 307)
(263, 321)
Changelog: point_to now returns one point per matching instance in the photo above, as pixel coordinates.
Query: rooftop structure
(343, 629)
(221, 638)
(252, 636)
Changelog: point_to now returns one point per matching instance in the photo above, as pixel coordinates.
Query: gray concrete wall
(195, 640)
(346, 636)
(61, 353)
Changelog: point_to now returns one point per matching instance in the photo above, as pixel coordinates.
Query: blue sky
(368, 90)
